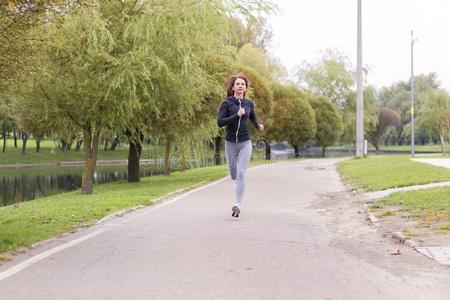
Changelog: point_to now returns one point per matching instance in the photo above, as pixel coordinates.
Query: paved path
(439, 162)
(191, 248)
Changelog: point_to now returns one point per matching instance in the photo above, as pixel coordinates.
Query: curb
(397, 237)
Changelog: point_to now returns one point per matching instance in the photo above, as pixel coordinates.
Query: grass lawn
(50, 153)
(429, 207)
(384, 172)
(435, 148)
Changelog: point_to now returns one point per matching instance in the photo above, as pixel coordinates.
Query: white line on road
(25, 264)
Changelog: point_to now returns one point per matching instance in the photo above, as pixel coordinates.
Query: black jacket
(236, 131)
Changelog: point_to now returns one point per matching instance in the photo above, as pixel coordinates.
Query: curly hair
(232, 79)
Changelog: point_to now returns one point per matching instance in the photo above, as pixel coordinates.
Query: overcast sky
(305, 27)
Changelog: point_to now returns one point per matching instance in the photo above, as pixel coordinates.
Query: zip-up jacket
(237, 128)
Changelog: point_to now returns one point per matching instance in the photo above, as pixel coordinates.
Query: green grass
(445, 227)
(427, 206)
(388, 214)
(50, 153)
(380, 173)
(43, 218)
(434, 148)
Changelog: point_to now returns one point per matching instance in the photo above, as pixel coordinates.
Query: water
(24, 184)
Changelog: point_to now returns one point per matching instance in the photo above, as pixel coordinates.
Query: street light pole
(359, 91)
(411, 95)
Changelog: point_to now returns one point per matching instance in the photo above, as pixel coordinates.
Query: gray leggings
(238, 157)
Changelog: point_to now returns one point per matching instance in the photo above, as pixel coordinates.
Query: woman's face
(239, 86)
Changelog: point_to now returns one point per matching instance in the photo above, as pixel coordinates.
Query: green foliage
(387, 118)
(329, 122)
(255, 58)
(332, 76)
(435, 114)
(397, 98)
(17, 47)
(349, 114)
(293, 118)
(260, 93)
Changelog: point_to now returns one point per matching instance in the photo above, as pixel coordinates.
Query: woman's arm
(254, 120)
(222, 119)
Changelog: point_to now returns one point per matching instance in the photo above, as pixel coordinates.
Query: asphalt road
(191, 248)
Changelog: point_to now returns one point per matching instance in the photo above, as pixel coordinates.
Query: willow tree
(197, 69)
(87, 78)
(182, 37)
(434, 115)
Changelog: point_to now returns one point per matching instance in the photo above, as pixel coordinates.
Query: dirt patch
(430, 230)
(347, 217)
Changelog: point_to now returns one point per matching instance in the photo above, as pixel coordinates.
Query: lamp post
(411, 95)
(359, 91)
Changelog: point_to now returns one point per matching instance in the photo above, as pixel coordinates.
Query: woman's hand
(261, 127)
(241, 112)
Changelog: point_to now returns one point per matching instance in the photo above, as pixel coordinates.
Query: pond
(24, 184)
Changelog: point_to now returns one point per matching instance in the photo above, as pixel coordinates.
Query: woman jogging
(234, 112)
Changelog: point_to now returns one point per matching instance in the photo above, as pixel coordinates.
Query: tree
(257, 59)
(17, 45)
(87, 79)
(349, 114)
(434, 115)
(293, 117)
(254, 30)
(332, 76)
(261, 94)
(396, 97)
(387, 118)
(329, 122)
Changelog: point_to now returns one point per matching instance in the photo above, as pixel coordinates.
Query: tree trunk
(296, 151)
(441, 137)
(268, 151)
(134, 156)
(38, 144)
(115, 143)
(324, 149)
(63, 145)
(79, 143)
(217, 144)
(106, 145)
(25, 137)
(182, 158)
(90, 159)
(15, 138)
(377, 149)
(167, 157)
(4, 143)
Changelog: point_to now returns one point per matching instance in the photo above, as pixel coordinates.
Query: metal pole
(411, 95)
(359, 91)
